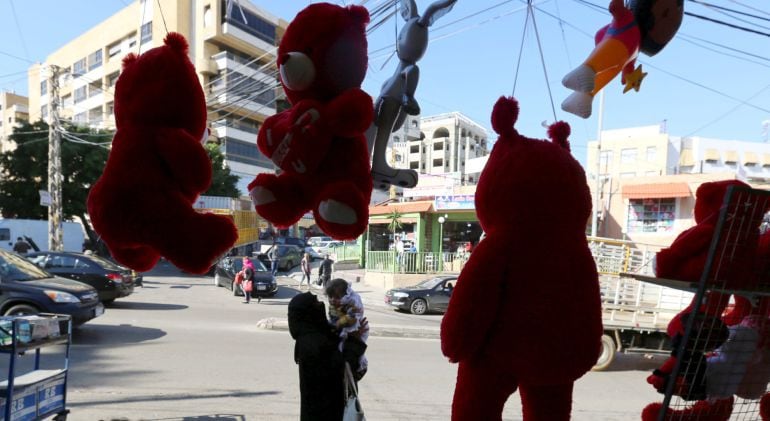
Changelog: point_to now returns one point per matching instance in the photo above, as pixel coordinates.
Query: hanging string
(521, 50)
(143, 5)
(163, 17)
(542, 59)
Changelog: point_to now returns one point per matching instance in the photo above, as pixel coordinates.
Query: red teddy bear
(543, 330)
(319, 142)
(141, 206)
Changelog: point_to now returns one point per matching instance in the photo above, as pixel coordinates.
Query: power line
(18, 28)
(750, 7)
(720, 22)
(727, 113)
(727, 9)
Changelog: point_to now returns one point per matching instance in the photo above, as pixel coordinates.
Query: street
(182, 349)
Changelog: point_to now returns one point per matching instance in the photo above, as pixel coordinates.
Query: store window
(651, 215)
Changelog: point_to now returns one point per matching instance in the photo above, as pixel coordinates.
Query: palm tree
(394, 225)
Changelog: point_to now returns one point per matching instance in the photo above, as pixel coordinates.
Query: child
(346, 312)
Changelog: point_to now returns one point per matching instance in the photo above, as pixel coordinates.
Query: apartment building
(647, 179)
(232, 45)
(13, 109)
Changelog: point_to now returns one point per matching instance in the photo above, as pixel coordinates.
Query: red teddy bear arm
(691, 243)
(350, 113)
(471, 312)
(187, 160)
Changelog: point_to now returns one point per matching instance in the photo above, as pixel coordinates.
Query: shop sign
(455, 202)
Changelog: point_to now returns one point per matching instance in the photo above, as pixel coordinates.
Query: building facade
(647, 179)
(232, 45)
(13, 109)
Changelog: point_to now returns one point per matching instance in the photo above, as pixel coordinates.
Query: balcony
(234, 93)
(233, 129)
(226, 60)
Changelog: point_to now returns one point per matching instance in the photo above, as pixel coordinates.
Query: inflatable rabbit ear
(435, 11)
(408, 9)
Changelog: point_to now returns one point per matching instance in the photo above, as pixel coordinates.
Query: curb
(273, 323)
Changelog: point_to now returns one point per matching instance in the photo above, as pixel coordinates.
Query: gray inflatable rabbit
(397, 94)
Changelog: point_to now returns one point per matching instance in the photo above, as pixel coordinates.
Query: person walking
(325, 271)
(245, 280)
(306, 268)
(21, 246)
(273, 256)
(321, 364)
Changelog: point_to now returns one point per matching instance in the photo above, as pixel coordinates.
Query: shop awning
(750, 158)
(402, 208)
(731, 157)
(711, 155)
(686, 159)
(656, 191)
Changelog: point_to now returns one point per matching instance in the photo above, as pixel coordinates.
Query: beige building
(13, 109)
(232, 45)
(648, 179)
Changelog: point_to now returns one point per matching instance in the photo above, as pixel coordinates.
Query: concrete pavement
(373, 298)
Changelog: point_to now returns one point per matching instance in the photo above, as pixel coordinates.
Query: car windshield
(429, 283)
(107, 264)
(17, 268)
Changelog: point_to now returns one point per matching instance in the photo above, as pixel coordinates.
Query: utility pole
(598, 186)
(54, 163)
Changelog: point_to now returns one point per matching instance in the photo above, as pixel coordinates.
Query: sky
(710, 80)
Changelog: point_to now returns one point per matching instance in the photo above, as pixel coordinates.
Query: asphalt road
(182, 349)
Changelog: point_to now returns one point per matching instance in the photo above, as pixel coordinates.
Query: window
(627, 175)
(79, 118)
(396, 139)
(246, 152)
(414, 165)
(438, 162)
(651, 215)
(95, 115)
(66, 101)
(132, 40)
(5, 234)
(207, 16)
(61, 262)
(79, 68)
(43, 112)
(605, 158)
(253, 24)
(438, 146)
(43, 87)
(95, 59)
(112, 79)
(113, 49)
(414, 149)
(651, 152)
(146, 33)
(80, 94)
(628, 156)
(94, 88)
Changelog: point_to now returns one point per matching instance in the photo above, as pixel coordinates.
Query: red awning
(657, 191)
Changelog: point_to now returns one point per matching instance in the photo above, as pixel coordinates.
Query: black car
(429, 295)
(110, 280)
(28, 289)
(288, 256)
(264, 281)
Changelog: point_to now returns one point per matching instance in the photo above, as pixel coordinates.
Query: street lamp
(441, 220)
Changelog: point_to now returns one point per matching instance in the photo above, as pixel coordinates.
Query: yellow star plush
(634, 79)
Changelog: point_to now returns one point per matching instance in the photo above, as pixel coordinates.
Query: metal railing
(345, 252)
(414, 262)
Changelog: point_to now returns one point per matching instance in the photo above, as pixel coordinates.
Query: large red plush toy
(542, 330)
(141, 206)
(319, 142)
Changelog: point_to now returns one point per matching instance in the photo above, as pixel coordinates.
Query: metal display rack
(40, 393)
(722, 368)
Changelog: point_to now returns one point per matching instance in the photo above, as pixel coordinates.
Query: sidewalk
(373, 297)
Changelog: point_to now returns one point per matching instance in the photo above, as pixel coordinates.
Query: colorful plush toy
(142, 204)
(543, 331)
(617, 45)
(319, 142)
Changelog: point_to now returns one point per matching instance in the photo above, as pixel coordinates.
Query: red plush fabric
(517, 340)
(319, 142)
(718, 410)
(141, 206)
(764, 407)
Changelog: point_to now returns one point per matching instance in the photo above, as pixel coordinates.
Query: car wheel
(419, 307)
(607, 355)
(21, 310)
(217, 280)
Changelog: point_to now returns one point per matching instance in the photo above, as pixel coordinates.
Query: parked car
(111, 280)
(429, 295)
(314, 241)
(288, 256)
(27, 289)
(291, 241)
(264, 281)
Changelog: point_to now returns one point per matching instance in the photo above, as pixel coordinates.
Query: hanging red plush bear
(141, 206)
(521, 338)
(319, 142)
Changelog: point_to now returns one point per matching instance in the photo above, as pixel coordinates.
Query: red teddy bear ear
(176, 41)
(559, 133)
(129, 59)
(504, 115)
(359, 13)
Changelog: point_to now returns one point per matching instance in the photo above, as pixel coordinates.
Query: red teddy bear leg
(342, 210)
(481, 392)
(282, 199)
(546, 402)
(718, 410)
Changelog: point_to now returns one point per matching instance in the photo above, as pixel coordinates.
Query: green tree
(222, 182)
(24, 171)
